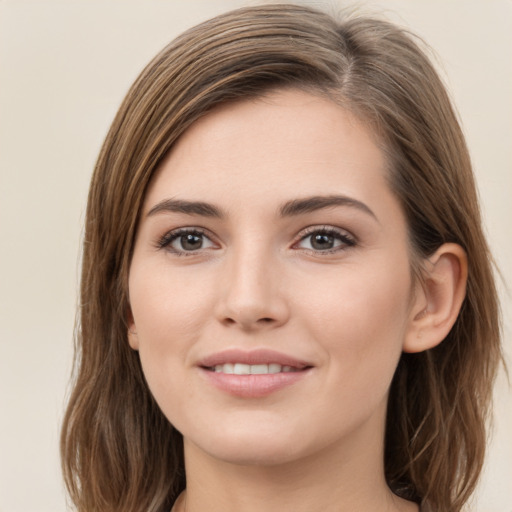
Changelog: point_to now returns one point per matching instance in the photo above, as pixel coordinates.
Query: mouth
(253, 374)
(252, 369)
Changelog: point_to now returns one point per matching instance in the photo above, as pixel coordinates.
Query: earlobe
(438, 298)
(133, 339)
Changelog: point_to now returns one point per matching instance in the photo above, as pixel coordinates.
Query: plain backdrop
(64, 68)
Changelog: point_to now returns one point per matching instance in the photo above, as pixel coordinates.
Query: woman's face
(270, 285)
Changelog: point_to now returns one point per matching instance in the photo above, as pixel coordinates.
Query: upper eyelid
(347, 238)
(189, 229)
(169, 236)
(327, 228)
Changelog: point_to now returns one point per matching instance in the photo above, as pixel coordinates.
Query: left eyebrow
(314, 203)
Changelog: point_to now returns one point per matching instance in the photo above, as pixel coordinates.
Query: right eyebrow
(187, 207)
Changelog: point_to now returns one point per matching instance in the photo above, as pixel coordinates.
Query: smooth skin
(271, 225)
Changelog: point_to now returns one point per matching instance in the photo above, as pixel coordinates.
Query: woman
(287, 297)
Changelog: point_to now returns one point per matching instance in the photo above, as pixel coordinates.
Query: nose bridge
(252, 295)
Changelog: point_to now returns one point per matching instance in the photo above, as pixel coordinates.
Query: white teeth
(242, 369)
(258, 369)
(252, 369)
(274, 368)
(224, 368)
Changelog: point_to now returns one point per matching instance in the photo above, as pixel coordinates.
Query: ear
(133, 338)
(438, 298)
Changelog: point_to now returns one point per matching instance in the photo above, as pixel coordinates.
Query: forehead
(273, 145)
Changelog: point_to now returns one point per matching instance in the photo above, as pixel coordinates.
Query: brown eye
(190, 242)
(183, 241)
(326, 240)
(321, 241)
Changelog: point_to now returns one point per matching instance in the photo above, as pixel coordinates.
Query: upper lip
(259, 356)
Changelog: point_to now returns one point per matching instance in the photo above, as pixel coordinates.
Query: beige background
(64, 68)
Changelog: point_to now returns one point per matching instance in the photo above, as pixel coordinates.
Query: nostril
(265, 320)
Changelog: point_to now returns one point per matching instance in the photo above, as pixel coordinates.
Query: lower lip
(253, 386)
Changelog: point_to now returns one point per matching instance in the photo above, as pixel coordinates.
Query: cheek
(168, 317)
(361, 324)
(164, 304)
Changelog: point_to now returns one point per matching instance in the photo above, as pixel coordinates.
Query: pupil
(191, 242)
(322, 242)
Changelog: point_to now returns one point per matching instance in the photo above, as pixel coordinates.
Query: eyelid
(348, 240)
(164, 242)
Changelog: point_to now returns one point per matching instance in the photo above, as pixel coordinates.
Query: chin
(251, 446)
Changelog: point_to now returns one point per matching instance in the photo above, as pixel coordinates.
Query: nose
(252, 292)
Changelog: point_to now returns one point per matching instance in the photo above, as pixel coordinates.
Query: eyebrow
(188, 207)
(314, 203)
(288, 209)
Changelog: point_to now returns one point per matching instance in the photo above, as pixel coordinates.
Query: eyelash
(347, 240)
(339, 235)
(166, 241)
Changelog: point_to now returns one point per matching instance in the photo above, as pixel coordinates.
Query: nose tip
(251, 299)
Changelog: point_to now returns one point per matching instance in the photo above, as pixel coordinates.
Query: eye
(325, 239)
(185, 240)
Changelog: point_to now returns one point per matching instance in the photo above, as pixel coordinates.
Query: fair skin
(269, 237)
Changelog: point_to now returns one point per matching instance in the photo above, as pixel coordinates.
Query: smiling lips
(252, 374)
(253, 369)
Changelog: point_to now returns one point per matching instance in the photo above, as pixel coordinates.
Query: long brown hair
(119, 452)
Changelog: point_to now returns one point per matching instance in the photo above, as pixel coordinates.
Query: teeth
(253, 369)
(274, 368)
(241, 369)
(258, 369)
(225, 368)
